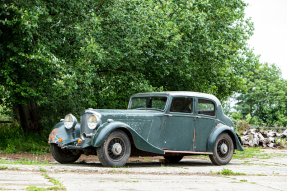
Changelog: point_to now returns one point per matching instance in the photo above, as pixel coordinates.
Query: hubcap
(223, 148)
(117, 149)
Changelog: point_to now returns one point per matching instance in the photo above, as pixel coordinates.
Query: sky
(270, 35)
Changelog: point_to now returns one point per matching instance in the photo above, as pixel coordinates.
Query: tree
(178, 45)
(266, 99)
(66, 55)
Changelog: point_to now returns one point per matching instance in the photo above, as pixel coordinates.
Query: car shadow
(184, 163)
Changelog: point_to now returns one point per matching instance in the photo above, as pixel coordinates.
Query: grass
(24, 162)
(34, 188)
(15, 140)
(4, 188)
(57, 183)
(149, 160)
(247, 153)
(3, 167)
(227, 172)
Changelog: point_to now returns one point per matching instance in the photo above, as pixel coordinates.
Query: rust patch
(52, 136)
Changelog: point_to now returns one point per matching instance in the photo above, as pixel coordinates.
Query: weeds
(57, 183)
(248, 153)
(3, 167)
(227, 172)
(24, 162)
(15, 140)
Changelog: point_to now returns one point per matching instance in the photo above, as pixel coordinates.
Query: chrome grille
(84, 126)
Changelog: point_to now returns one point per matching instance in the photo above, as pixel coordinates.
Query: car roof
(182, 93)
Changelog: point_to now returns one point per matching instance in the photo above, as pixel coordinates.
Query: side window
(181, 104)
(206, 107)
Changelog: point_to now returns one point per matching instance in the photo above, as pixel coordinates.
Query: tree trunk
(29, 118)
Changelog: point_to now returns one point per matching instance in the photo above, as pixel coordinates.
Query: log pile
(255, 137)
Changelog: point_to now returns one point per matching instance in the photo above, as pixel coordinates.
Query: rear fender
(222, 129)
(139, 141)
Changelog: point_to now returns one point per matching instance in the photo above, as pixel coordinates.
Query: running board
(187, 152)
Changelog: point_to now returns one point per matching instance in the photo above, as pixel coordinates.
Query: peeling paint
(137, 126)
(52, 136)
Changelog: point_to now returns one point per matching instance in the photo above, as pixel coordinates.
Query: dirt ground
(49, 158)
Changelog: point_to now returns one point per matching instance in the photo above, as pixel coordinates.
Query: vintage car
(168, 124)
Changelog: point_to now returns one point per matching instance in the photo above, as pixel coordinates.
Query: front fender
(60, 131)
(139, 141)
(217, 131)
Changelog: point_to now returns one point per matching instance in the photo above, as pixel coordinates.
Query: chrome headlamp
(94, 121)
(70, 121)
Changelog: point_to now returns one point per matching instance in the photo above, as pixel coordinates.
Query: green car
(168, 124)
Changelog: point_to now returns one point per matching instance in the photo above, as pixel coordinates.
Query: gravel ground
(192, 173)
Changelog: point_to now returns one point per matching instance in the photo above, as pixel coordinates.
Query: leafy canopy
(265, 102)
(66, 55)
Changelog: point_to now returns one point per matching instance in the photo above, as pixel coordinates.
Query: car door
(177, 132)
(205, 121)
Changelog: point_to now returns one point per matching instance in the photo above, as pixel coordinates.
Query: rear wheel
(223, 150)
(115, 151)
(63, 156)
(173, 159)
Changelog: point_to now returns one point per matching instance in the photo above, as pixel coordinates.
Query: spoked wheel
(116, 150)
(223, 150)
(63, 156)
(173, 159)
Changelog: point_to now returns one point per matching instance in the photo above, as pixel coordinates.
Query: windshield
(149, 103)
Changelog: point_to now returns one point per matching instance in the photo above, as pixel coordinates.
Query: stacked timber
(255, 137)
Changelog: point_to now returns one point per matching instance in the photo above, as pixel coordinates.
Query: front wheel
(63, 156)
(223, 150)
(116, 150)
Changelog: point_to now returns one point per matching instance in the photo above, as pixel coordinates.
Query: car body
(168, 124)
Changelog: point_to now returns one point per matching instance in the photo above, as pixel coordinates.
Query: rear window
(206, 107)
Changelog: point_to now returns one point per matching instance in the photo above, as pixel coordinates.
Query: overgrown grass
(15, 140)
(24, 162)
(248, 153)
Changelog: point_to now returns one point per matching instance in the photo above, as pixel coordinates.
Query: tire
(173, 159)
(223, 150)
(116, 150)
(63, 156)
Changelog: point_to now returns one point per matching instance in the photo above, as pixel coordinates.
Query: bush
(15, 140)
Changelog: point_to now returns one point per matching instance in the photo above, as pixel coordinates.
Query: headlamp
(70, 121)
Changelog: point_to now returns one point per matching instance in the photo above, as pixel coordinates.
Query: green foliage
(249, 153)
(23, 161)
(15, 140)
(228, 172)
(3, 167)
(264, 103)
(62, 56)
(236, 116)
